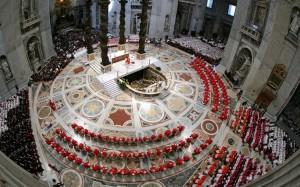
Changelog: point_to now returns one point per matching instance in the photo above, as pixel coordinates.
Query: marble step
(112, 88)
(96, 67)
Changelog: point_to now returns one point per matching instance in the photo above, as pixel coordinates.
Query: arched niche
(167, 23)
(28, 9)
(135, 23)
(294, 23)
(241, 66)
(259, 15)
(5, 69)
(34, 53)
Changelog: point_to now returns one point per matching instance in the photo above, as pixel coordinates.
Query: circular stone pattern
(209, 127)
(76, 96)
(184, 89)
(151, 113)
(152, 184)
(71, 178)
(231, 141)
(93, 108)
(75, 81)
(44, 112)
(166, 58)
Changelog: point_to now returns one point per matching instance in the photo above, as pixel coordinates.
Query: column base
(121, 47)
(91, 57)
(140, 56)
(106, 68)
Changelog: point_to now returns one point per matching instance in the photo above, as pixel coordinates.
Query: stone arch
(34, 53)
(5, 68)
(241, 65)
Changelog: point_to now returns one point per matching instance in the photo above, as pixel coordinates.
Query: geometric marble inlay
(119, 117)
(71, 178)
(209, 127)
(92, 108)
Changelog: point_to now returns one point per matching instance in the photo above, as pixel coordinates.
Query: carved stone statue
(33, 52)
(138, 23)
(6, 69)
(242, 72)
(295, 24)
(167, 23)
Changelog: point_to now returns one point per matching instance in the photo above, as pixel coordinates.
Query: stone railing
(31, 21)
(193, 2)
(13, 175)
(286, 174)
(252, 33)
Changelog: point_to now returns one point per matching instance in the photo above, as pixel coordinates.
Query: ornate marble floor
(80, 98)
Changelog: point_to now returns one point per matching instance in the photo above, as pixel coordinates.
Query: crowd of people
(209, 50)
(262, 135)
(52, 68)
(17, 141)
(227, 168)
(67, 43)
(5, 106)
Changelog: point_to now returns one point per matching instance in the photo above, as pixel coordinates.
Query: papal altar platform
(121, 69)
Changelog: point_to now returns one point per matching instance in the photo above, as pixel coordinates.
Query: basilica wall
(198, 16)
(241, 16)
(25, 41)
(163, 15)
(270, 46)
(45, 27)
(216, 19)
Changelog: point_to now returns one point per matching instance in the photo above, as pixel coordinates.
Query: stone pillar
(173, 17)
(45, 29)
(32, 8)
(241, 16)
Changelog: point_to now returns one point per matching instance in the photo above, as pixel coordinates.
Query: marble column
(32, 8)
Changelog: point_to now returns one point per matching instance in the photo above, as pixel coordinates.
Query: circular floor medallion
(166, 58)
(76, 96)
(151, 113)
(184, 89)
(44, 112)
(71, 178)
(176, 104)
(76, 81)
(152, 184)
(209, 127)
(93, 108)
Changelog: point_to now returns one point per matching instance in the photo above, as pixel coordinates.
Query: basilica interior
(149, 93)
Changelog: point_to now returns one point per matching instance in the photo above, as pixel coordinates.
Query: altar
(122, 69)
(118, 56)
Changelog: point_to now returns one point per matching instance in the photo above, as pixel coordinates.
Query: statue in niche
(242, 72)
(167, 23)
(32, 51)
(138, 23)
(6, 69)
(295, 23)
(260, 16)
